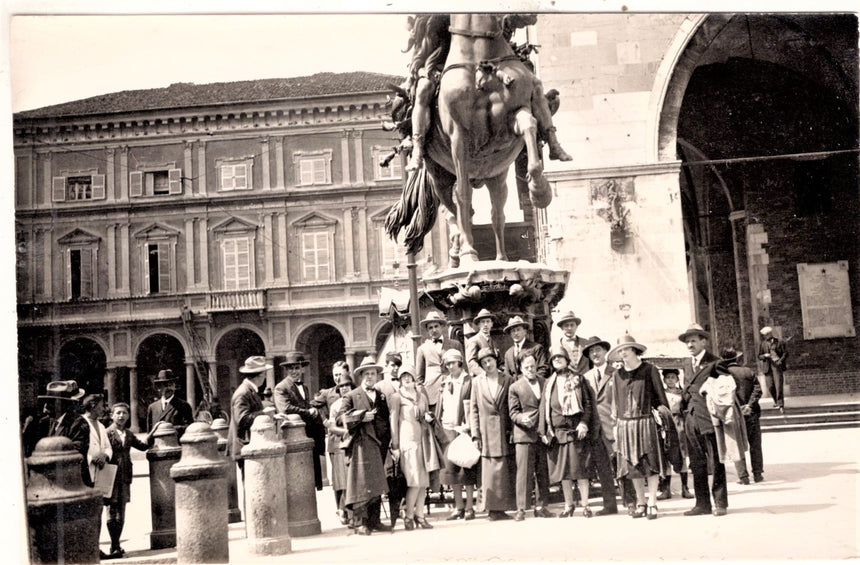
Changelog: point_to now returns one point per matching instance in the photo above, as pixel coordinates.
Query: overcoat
(245, 405)
(490, 416)
(366, 448)
(602, 391)
(696, 409)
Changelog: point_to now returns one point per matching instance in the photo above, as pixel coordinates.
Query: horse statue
(488, 108)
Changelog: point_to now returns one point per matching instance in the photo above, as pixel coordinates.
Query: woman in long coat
(338, 458)
(565, 417)
(638, 391)
(491, 430)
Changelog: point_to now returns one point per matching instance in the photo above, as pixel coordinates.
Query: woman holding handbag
(452, 420)
(410, 418)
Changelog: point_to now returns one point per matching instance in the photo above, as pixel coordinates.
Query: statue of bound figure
(470, 107)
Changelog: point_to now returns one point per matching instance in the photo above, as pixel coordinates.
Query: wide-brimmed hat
(164, 376)
(514, 322)
(567, 316)
(694, 329)
(484, 313)
(433, 316)
(255, 364)
(487, 352)
(369, 362)
(558, 351)
(626, 340)
(452, 355)
(766, 330)
(63, 390)
(592, 341)
(730, 355)
(295, 358)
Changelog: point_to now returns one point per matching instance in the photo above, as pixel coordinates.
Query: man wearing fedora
(364, 412)
(169, 407)
(428, 358)
(245, 405)
(292, 397)
(771, 357)
(482, 339)
(572, 343)
(701, 436)
(602, 436)
(748, 393)
(67, 421)
(518, 329)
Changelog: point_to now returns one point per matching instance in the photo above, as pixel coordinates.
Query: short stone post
(201, 498)
(164, 452)
(301, 491)
(63, 514)
(266, 517)
(234, 514)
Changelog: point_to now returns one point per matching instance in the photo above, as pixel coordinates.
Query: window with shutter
(174, 181)
(237, 263)
(316, 256)
(235, 177)
(314, 170)
(159, 182)
(135, 183)
(80, 273)
(58, 189)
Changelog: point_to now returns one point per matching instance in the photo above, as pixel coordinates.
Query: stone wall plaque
(825, 300)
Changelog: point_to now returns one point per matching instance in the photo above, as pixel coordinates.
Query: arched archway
(156, 352)
(323, 345)
(83, 360)
(232, 349)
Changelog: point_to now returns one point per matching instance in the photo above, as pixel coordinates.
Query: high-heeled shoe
(408, 524)
(423, 523)
(652, 512)
(641, 510)
(586, 511)
(568, 512)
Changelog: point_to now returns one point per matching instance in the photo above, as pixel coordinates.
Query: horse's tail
(415, 211)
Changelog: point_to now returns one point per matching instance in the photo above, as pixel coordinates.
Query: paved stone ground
(806, 509)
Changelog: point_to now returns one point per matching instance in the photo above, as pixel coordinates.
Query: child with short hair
(121, 440)
(671, 379)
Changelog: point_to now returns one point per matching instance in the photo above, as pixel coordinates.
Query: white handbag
(462, 452)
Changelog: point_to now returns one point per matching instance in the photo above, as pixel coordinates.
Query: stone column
(271, 379)
(162, 456)
(201, 498)
(110, 385)
(132, 399)
(266, 503)
(62, 513)
(301, 492)
(221, 428)
(190, 389)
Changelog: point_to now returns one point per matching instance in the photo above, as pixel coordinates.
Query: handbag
(462, 452)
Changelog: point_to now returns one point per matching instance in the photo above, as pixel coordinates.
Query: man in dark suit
(771, 362)
(518, 328)
(169, 407)
(748, 393)
(701, 437)
(68, 422)
(428, 358)
(481, 340)
(364, 412)
(572, 343)
(523, 405)
(246, 405)
(292, 397)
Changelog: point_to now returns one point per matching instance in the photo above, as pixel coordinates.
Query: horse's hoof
(540, 192)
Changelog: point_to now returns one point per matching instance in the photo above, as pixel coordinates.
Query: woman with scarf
(410, 430)
(565, 418)
(638, 391)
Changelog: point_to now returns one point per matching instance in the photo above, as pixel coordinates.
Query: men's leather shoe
(758, 478)
(542, 512)
(720, 511)
(606, 511)
(520, 516)
(697, 511)
(744, 481)
(380, 527)
(664, 495)
(470, 515)
(496, 515)
(685, 493)
(457, 515)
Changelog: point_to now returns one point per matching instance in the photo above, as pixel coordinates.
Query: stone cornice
(667, 167)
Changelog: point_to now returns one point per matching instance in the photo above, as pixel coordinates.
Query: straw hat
(694, 329)
(369, 362)
(484, 313)
(568, 316)
(63, 390)
(255, 364)
(625, 341)
(433, 316)
(514, 322)
(766, 330)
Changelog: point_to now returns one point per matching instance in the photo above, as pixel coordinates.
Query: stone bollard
(234, 514)
(266, 517)
(162, 456)
(201, 498)
(301, 491)
(63, 514)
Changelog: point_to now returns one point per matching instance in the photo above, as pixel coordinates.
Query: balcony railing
(232, 300)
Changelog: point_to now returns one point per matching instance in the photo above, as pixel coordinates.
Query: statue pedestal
(505, 288)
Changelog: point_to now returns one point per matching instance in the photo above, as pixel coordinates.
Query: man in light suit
(245, 405)
(523, 405)
(169, 408)
(572, 343)
(291, 396)
(428, 359)
(701, 437)
(602, 436)
(481, 340)
(518, 328)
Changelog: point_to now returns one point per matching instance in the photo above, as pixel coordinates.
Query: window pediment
(381, 215)
(314, 220)
(234, 225)
(78, 237)
(156, 231)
